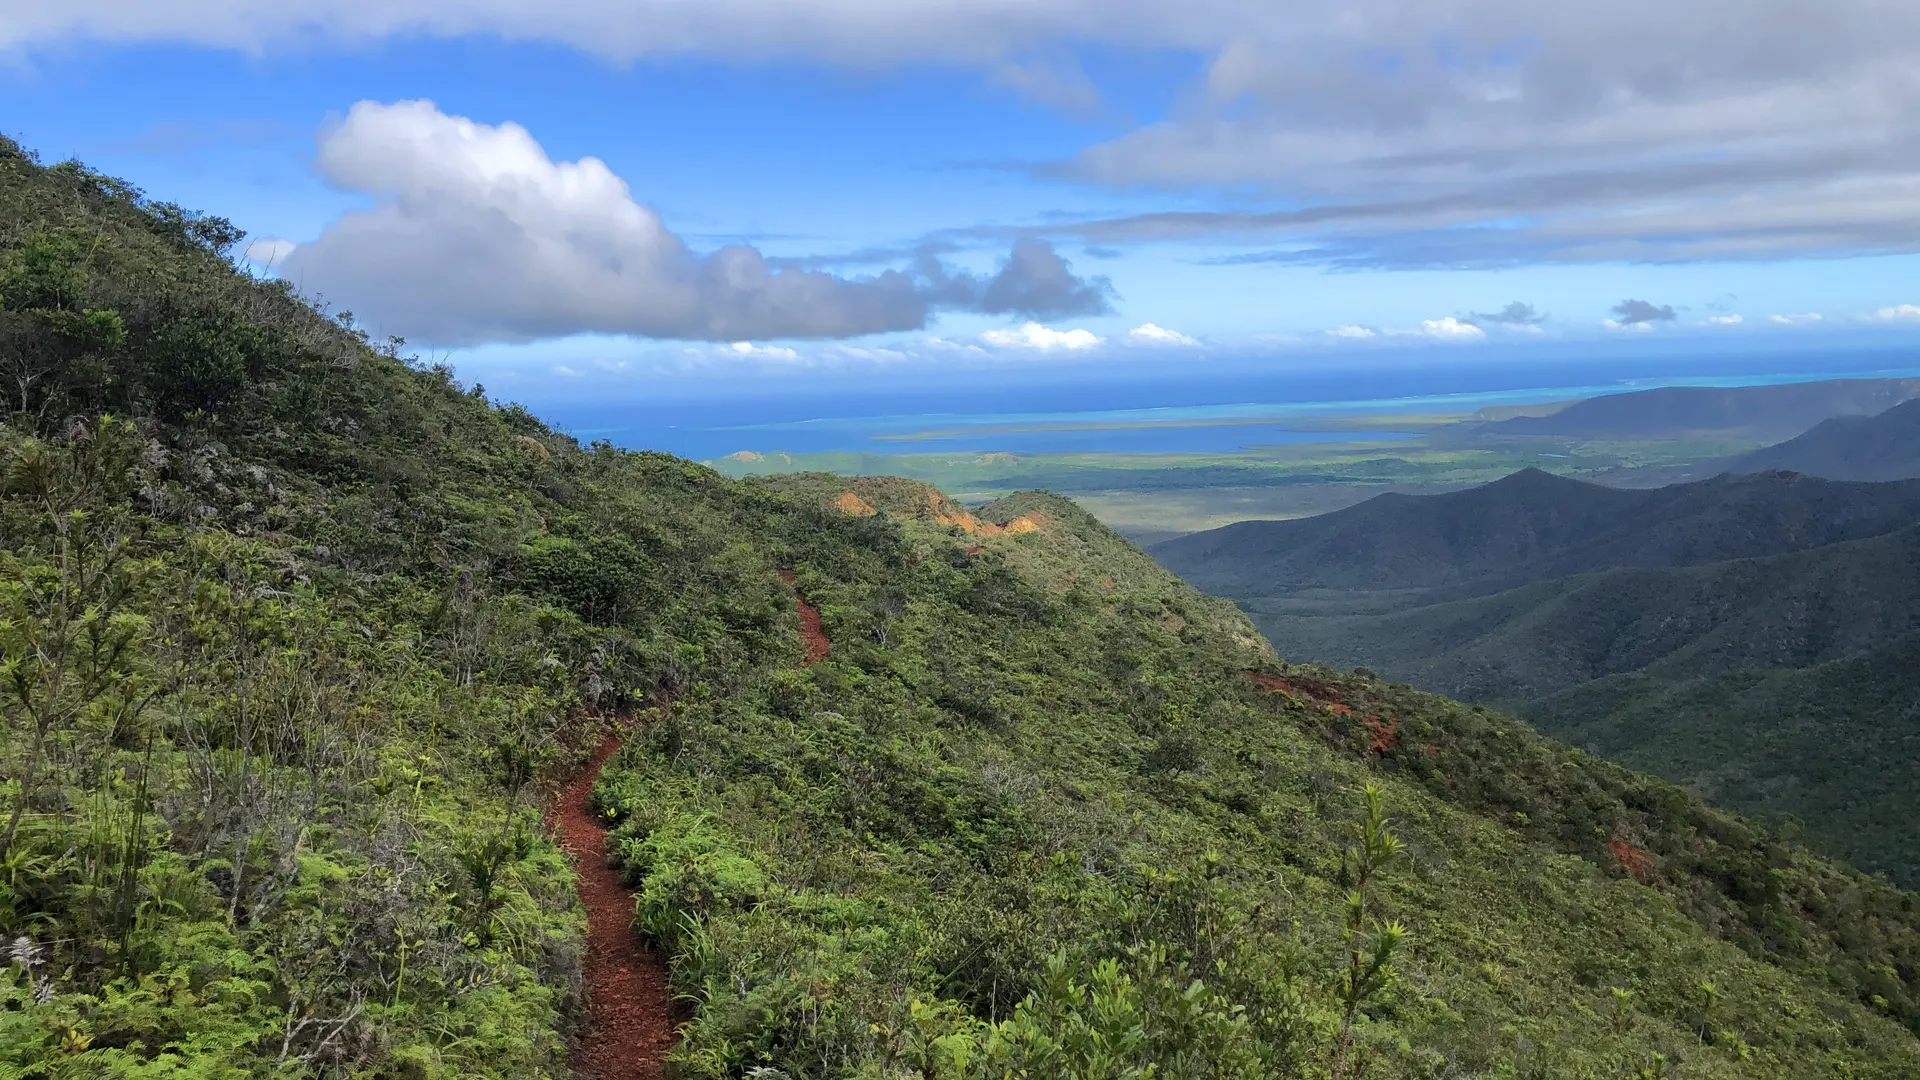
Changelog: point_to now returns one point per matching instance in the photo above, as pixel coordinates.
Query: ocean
(1204, 408)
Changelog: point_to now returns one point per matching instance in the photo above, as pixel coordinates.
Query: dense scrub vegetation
(1042, 756)
(292, 628)
(1749, 636)
(283, 653)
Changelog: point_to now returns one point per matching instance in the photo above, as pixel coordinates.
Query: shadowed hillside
(1883, 447)
(1533, 526)
(1696, 630)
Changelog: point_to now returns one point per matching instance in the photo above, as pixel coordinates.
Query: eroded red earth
(813, 635)
(630, 1021)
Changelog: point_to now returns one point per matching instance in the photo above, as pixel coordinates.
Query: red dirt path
(812, 633)
(630, 1020)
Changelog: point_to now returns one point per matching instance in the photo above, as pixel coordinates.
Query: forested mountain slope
(293, 636)
(1632, 624)
(1793, 610)
(1534, 526)
(1882, 447)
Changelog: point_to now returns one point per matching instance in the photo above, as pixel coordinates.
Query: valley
(1749, 635)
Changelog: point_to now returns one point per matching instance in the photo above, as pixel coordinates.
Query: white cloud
(1797, 320)
(1628, 327)
(1351, 333)
(1149, 334)
(770, 352)
(873, 355)
(1452, 329)
(1035, 336)
(1723, 320)
(476, 235)
(565, 371)
(266, 252)
(1899, 313)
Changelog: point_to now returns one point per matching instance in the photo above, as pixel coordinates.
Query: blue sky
(879, 191)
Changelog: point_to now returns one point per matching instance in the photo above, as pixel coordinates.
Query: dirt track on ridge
(630, 1023)
(812, 634)
(630, 1019)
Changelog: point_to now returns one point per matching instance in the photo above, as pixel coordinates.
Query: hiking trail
(812, 634)
(630, 1023)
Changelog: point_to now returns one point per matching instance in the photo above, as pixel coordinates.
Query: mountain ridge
(1751, 598)
(1042, 809)
(1882, 447)
(1780, 410)
(1533, 525)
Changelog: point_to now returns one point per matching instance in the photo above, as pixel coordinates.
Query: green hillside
(1774, 684)
(1881, 447)
(1784, 611)
(1832, 744)
(296, 632)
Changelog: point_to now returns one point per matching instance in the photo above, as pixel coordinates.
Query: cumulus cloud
(1797, 320)
(1641, 313)
(1034, 281)
(1149, 334)
(477, 235)
(1723, 320)
(767, 352)
(1899, 313)
(1351, 333)
(1035, 336)
(1451, 329)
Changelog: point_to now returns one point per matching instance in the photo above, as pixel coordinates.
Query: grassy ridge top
(1044, 810)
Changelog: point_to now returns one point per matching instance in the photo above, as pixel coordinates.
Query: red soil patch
(812, 634)
(849, 503)
(975, 549)
(1293, 688)
(630, 1022)
(1382, 735)
(945, 512)
(1635, 861)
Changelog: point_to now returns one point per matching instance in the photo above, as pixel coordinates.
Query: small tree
(68, 578)
(1368, 943)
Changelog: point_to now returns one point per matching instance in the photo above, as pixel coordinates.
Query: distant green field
(1152, 496)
